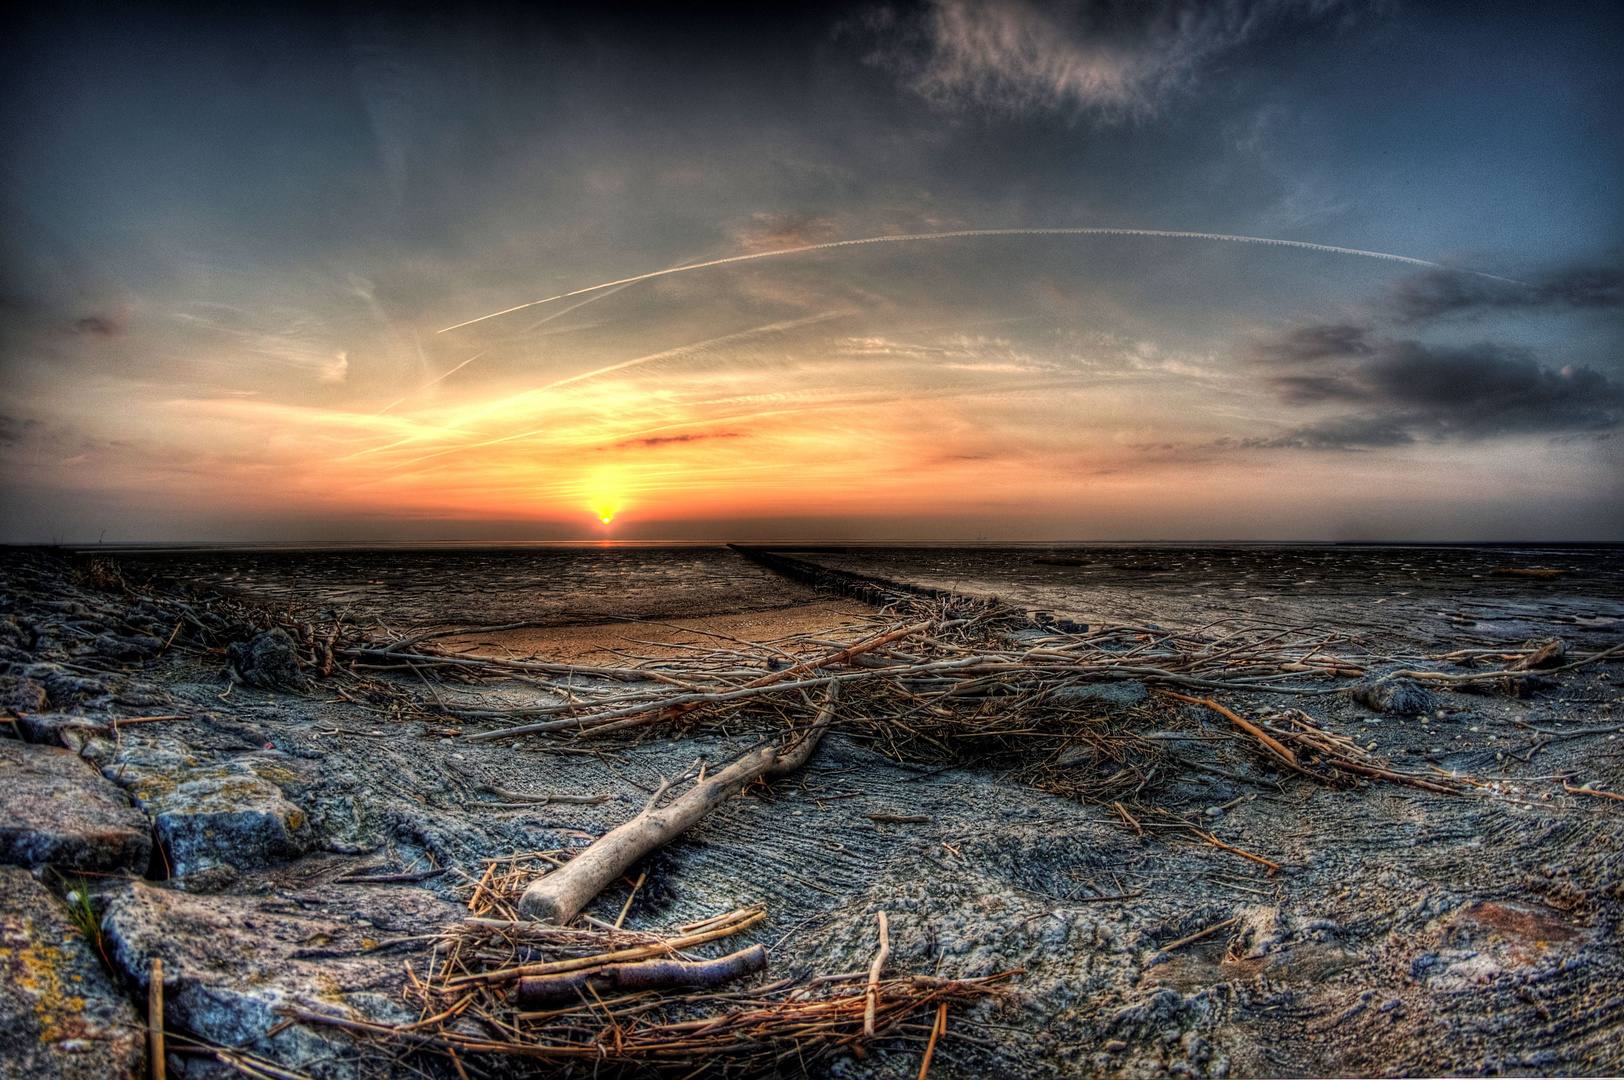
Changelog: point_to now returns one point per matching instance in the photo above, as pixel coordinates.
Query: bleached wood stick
(560, 896)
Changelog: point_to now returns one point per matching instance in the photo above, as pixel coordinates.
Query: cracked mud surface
(1408, 932)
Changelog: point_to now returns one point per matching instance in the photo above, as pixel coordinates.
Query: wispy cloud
(663, 440)
(773, 232)
(1109, 59)
(114, 323)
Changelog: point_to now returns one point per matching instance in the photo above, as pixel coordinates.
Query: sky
(277, 272)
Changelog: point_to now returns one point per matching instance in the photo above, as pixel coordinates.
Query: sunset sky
(242, 249)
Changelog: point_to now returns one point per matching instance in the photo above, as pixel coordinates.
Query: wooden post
(155, 1017)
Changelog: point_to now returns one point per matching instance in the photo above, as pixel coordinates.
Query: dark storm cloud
(1109, 58)
(1443, 292)
(1406, 389)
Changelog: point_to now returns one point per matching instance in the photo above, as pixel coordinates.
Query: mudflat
(1045, 784)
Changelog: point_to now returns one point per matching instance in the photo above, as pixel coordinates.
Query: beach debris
(155, 1017)
(1549, 655)
(625, 1002)
(872, 995)
(1399, 697)
(561, 895)
(645, 975)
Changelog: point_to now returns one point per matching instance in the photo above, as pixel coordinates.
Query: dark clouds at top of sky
(301, 133)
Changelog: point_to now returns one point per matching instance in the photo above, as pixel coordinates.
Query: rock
(124, 649)
(1120, 694)
(65, 689)
(19, 694)
(212, 816)
(60, 729)
(231, 962)
(1400, 697)
(267, 661)
(238, 820)
(57, 811)
(60, 1015)
(1549, 655)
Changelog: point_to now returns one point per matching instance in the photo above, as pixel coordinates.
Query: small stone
(1215, 811)
(267, 661)
(22, 695)
(1396, 696)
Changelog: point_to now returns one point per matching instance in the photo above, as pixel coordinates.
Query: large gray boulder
(60, 1016)
(212, 816)
(55, 810)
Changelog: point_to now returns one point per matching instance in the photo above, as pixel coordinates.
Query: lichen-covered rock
(231, 962)
(237, 819)
(1399, 697)
(60, 1015)
(267, 660)
(55, 810)
(211, 816)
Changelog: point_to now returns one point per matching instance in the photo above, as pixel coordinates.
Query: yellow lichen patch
(39, 972)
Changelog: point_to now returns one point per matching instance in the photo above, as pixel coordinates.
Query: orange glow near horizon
(784, 404)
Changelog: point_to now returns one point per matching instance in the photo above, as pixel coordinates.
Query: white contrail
(989, 232)
(432, 381)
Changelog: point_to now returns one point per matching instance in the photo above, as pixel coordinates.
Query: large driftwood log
(648, 975)
(560, 896)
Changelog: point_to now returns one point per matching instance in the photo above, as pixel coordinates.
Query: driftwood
(560, 896)
(648, 975)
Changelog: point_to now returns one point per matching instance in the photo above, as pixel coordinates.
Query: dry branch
(560, 896)
(647, 975)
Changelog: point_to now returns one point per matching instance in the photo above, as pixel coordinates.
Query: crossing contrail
(987, 232)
